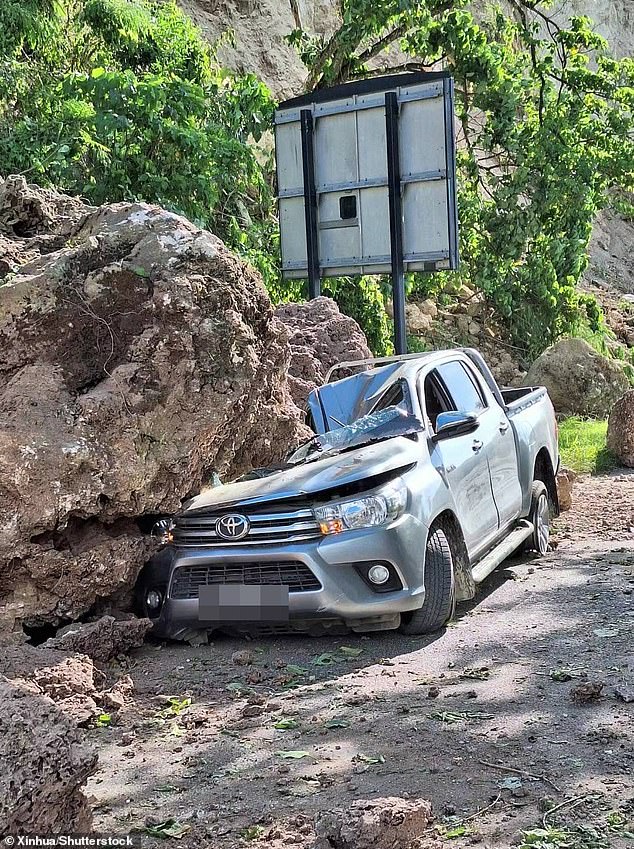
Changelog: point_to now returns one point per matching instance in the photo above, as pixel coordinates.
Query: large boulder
(320, 337)
(580, 381)
(621, 429)
(45, 764)
(136, 359)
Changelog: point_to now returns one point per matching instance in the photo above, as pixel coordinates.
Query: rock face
(579, 380)
(388, 823)
(260, 28)
(136, 358)
(621, 429)
(320, 337)
(44, 766)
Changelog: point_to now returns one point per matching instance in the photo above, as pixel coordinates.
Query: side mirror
(454, 424)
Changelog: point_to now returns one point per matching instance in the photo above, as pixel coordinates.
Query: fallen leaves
(340, 655)
(169, 828)
(286, 724)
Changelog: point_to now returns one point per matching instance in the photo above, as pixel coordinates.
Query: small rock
(428, 307)
(417, 321)
(252, 710)
(565, 480)
(433, 692)
(242, 658)
(586, 692)
(116, 697)
(624, 693)
(384, 823)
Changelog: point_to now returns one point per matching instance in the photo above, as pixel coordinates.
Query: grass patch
(582, 444)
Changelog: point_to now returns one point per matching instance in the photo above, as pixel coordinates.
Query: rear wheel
(540, 518)
(440, 591)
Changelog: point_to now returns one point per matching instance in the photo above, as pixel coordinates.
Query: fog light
(379, 574)
(153, 599)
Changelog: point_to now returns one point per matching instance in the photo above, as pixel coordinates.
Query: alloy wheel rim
(542, 518)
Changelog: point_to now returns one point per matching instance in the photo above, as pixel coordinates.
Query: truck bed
(520, 398)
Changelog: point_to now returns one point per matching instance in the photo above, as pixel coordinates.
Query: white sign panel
(351, 177)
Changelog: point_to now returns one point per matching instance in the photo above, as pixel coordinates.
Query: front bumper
(344, 597)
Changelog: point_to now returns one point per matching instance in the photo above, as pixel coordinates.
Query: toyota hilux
(422, 477)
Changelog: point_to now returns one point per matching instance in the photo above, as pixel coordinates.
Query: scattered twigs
(479, 813)
(522, 772)
(571, 803)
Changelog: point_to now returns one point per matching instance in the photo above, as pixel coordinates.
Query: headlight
(163, 531)
(378, 509)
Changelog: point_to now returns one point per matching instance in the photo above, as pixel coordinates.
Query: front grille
(293, 574)
(199, 530)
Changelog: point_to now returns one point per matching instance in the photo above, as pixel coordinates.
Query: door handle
(504, 426)
(476, 445)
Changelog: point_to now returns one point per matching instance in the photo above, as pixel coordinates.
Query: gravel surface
(516, 717)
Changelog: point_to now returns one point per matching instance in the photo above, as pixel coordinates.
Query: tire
(539, 515)
(440, 592)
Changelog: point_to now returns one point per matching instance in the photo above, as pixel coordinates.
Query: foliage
(123, 100)
(545, 130)
(361, 298)
(582, 443)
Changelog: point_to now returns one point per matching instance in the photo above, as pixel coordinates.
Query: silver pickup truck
(423, 476)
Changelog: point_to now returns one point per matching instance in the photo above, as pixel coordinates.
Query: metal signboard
(366, 180)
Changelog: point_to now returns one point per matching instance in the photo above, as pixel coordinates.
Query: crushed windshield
(390, 422)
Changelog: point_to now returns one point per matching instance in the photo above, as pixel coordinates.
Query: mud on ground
(496, 720)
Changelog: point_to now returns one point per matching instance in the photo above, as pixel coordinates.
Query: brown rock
(69, 677)
(384, 823)
(579, 380)
(103, 639)
(428, 307)
(320, 337)
(45, 764)
(118, 695)
(586, 692)
(244, 657)
(417, 320)
(137, 358)
(70, 683)
(621, 429)
(565, 480)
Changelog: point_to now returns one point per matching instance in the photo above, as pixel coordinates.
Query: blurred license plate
(243, 603)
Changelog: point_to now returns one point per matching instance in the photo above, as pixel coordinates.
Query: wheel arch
(543, 471)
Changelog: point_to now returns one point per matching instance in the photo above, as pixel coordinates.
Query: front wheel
(440, 591)
(540, 518)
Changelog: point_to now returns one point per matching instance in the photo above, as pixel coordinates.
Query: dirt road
(479, 719)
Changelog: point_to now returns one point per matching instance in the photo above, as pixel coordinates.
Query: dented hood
(318, 476)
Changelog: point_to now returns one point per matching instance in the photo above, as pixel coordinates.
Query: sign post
(366, 182)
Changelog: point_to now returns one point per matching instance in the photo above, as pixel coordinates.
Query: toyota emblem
(234, 526)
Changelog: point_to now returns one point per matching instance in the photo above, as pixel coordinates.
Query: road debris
(384, 823)
(586, 692)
